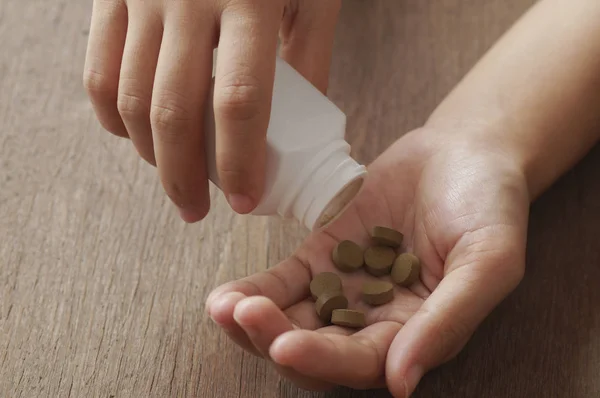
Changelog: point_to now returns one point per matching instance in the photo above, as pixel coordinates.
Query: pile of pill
(379, 260)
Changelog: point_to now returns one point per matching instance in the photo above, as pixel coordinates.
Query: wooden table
(102, 288)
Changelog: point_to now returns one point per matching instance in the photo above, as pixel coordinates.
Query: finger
(285, 284)
(263, 322)
(303, 315)
(485, 267)
(103, 62)
(307, 35)
(221, 312)
(242, 101)
(333, 329)
(137, 77)
(258, 319)
(182, 79)
(355, 361)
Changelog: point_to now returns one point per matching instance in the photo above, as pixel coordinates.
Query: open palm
(462, 208)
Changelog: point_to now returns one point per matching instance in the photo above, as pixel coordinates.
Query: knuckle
(232, 175)
(179, 194)
(170, 119)
(102, 91)
(239, 98)
(238, 172)
(131, 105)
(99, 86)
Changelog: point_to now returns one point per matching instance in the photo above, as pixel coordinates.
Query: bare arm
(537, 89)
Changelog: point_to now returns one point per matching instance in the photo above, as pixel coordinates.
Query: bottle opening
(339, 203)
(328, 184)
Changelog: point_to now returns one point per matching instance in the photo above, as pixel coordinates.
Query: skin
(148, 74)
(461, 199)
(469, 235)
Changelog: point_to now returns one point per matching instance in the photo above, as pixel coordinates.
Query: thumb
(483, 267)
(307, 35)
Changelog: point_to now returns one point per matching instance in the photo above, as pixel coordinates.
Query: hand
(148, 71)
(463, 208)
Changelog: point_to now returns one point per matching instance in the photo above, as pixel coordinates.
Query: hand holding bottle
(148, 72)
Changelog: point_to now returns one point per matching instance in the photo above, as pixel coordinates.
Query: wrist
(524, 100)
(542, 153)
(501, 138)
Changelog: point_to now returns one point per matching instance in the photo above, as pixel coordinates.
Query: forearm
(536, 92)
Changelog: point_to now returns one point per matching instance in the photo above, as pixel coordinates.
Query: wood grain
(102, 288)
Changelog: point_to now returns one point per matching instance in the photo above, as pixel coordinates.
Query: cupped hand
(148, 71)
(463, 208)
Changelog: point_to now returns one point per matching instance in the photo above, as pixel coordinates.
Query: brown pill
(328, 302)
(406, 269)
(379, 260)
(325, 282)
(386, 236)
(348, 318)
(347, 256)
(378, 292)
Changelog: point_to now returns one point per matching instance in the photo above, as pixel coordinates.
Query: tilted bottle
(310, 174)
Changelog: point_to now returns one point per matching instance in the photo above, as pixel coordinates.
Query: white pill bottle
(310, 174)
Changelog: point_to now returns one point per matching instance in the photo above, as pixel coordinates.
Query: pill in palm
(377, 292)
(379, 259)
(386, 236)
(328, 302)
(325, 282)
(406, 269)
(347, 256)
(348, 318)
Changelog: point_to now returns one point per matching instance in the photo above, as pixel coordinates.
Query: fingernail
(241, 204)
(195, 213)
(239, 311)
(190, 215)
(413, 376)
(250, 328)
(221, 307)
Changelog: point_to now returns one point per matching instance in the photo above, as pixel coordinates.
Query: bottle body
(308, 165)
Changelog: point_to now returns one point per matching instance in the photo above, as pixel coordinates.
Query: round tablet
(347, 256)
(348, 318)
(379, 260)
(386, 236)
(325, 282)
(327, 303)
(378, 292)
(406, 269)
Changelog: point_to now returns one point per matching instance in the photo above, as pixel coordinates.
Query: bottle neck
(325, 188)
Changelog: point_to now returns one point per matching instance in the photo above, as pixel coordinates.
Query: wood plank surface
(102, 288)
